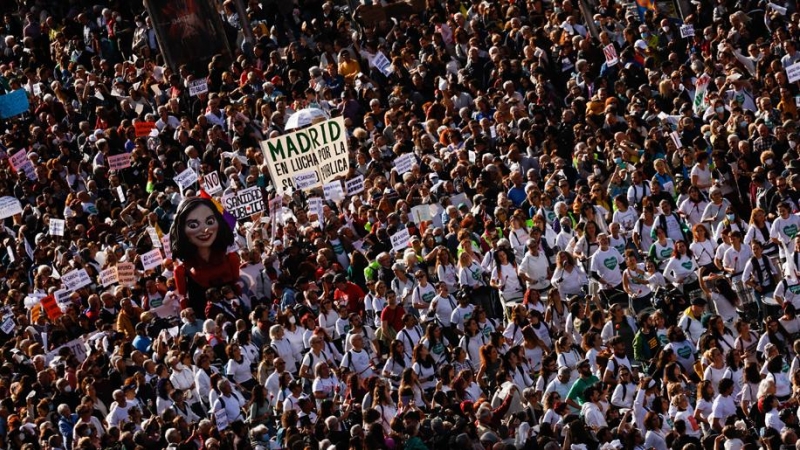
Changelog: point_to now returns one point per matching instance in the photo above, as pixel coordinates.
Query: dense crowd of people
(602, 217)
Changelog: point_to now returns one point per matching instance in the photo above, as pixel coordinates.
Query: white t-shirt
(785, 230)
(703, 252)
(506, 276)
(606, 263)
(703, 176)
(722, 408)
(693, 212)
(626, 219)
(358, 362)
(535, 268)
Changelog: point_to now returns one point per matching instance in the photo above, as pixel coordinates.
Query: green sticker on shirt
(610, 263)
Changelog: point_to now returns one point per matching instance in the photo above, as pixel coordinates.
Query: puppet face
(201, 226)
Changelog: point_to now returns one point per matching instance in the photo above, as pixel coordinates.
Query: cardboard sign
(333, 191)
(151, 231)
(143, 128)
(76, 279)
(321, 147)
(186, 178)
(404, 163)
(611, 55)
(109, 276)
(57, 227)
(126, 274)
(687, 31)
(306, 180)
(197, 87)
(9, 206)
(355, 185)
(119, 162)
(244, 203)
(212, 183)
(400, 240)
(152, 259)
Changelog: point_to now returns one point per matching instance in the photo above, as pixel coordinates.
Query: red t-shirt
(352, 296)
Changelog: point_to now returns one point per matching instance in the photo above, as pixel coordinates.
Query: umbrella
(305, 117)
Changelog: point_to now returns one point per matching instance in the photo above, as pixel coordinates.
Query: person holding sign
(200, 238)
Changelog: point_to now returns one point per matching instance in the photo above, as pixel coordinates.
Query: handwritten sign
(76, 279)
(306, 180)
(126, 274)
(315, 208)
(687, 31)
(109, 276)
(57, 227)
(355, 185)
(9, 206)
(143, 128)
(62, 295)
(400, 240)
(333, 191)
(197, 87)
(244, 203)
(151, 231)
(793, 72)
(18, 160)
(165, 245)
(421, 213)
(611, 55)
(152, 259)
(404, 163)
(119, 162)
(212, 183)
(186, 178)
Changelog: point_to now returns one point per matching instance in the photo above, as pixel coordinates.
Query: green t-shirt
(576, 391)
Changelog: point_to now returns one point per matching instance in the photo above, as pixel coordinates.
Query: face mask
(186, 321)
(292, 320)
(666, 29)
(730, 217)
(645, 35)
(720, 109)
(438, 239)
(179, 366)
(68, 388)
(597, 171)
(618, 160)
(768, 161)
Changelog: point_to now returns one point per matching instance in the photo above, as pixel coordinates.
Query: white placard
(11, 257)
(121, 194)
(611, 55)
(119, 162)
(382, 63)
(165, 245)
(57, 227)
(62, 295)
(421, 213)
(404, 163)
(687, 31)
(8, 324)
(9, 206)
(152, 259)
(197, 87)
(76, 279)
(37, 89)
(793, 72)
(126, 274)
(400, 240)
(186, 178)
(355, 185)
(109, 276)
(18, 160)
(306, 180)
(151, 231)
(315, 207)
(333, 191)
(459, 199)
(244, 203)
(321, 147)
(221, 417)
(676, 139)
(212, 184)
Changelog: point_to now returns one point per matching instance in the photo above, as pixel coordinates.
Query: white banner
(57, 227)
(76, 279)
(244, 203)
(9, 206)
(355, 185)
(322, 147)
(152, 259)
(212, 183)
(400, 240)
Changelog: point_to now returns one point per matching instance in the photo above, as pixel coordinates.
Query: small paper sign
(109, 276)
(793, 72)
(333, 191)
(143, 128)
(57, 227)
(165, 245)
(421, 213)
(8, 324)
(400, 240)
(315, 207)
(197, 87)
(9, 206)
(151, 231)
(76, 279)
(126, 274)
(121, 194)
(306, 180)
(687, 31)
(186, 178)
(212, 183)
(676, 139)
(404, 163)
(611, 55)
(152, 259)
(119, 162)
(355, 185)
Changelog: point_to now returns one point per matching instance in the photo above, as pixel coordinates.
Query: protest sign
(62, 295)
(400, 240)
(166, 246)
(275, 214)
(152, 259)
(13, 104)
(244, 203)
(18, 160)
(212, 183)
(126, 274)
(109, 276)
(9, 206)
(197, 87)
(143, 128)
(355, 185)
(186, 178)
(57, 227)
(306, 180)
(121, 194)
(119, 162)
(700, 103)
(153, 234)
(611, 55)
(333, 191)
(382, 63)
(687, 31)
(404, 163)
(676, 139)
(315, 207)
(321, 147)
(461, 198)
(793, 72)
(421, 213)
(76, 279)
(8, 324)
